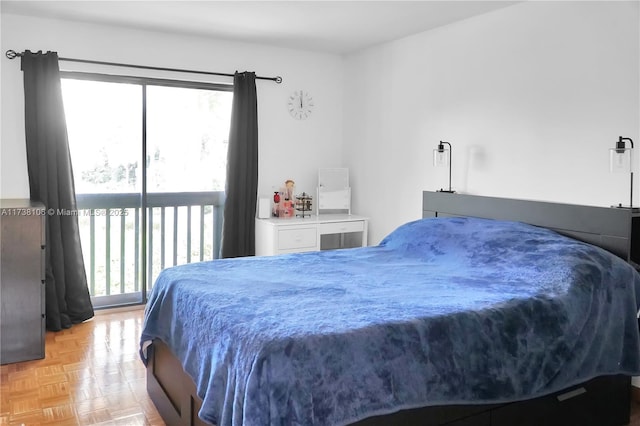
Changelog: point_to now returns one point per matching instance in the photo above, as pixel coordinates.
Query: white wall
(531, 96)
(288, 148)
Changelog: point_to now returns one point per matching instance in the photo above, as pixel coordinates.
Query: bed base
(603, 401)
(171, 389)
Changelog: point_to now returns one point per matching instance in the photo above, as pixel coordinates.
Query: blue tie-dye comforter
(443, 311)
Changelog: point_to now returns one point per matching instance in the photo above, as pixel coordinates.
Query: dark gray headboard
(609, 228)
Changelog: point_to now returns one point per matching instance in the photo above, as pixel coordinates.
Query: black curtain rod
(12, 54)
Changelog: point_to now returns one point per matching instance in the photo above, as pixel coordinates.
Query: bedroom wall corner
(531, 96)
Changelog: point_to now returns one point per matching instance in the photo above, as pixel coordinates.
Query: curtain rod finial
(12, 54)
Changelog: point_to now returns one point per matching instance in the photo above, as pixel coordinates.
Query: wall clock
(300, 104)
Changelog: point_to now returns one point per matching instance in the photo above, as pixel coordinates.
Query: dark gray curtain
(51, 182)
(238, 232)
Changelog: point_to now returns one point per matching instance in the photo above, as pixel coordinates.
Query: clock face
(300, 104)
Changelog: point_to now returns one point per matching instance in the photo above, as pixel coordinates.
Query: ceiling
(337, 27)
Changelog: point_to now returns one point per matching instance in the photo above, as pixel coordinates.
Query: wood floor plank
(91, 375)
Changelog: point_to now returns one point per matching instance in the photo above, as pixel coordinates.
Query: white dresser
(291, 235)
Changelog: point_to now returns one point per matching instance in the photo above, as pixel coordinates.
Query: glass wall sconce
(621, 161)
(442, 158)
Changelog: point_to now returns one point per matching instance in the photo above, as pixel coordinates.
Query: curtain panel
(51, 182)
(239, 229)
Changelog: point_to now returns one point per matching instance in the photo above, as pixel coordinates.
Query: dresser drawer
(298, 238)
(324, 232)
(341, 227)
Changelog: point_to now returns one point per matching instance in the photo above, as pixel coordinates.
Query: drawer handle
(571, 394)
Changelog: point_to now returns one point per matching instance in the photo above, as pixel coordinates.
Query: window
(149, 164)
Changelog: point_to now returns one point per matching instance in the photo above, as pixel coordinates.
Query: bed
(457, 319)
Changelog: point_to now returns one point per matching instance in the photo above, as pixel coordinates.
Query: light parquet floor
(91, 375)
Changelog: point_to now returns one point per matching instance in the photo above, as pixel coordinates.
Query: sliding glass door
(149, 159)
(187, 138)
(104, 123)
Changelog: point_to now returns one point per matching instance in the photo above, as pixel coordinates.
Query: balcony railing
(182, 227)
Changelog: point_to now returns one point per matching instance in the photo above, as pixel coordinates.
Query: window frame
(147, 81)
(140, 298)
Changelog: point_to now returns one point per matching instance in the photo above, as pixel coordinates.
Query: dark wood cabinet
(22, 303)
